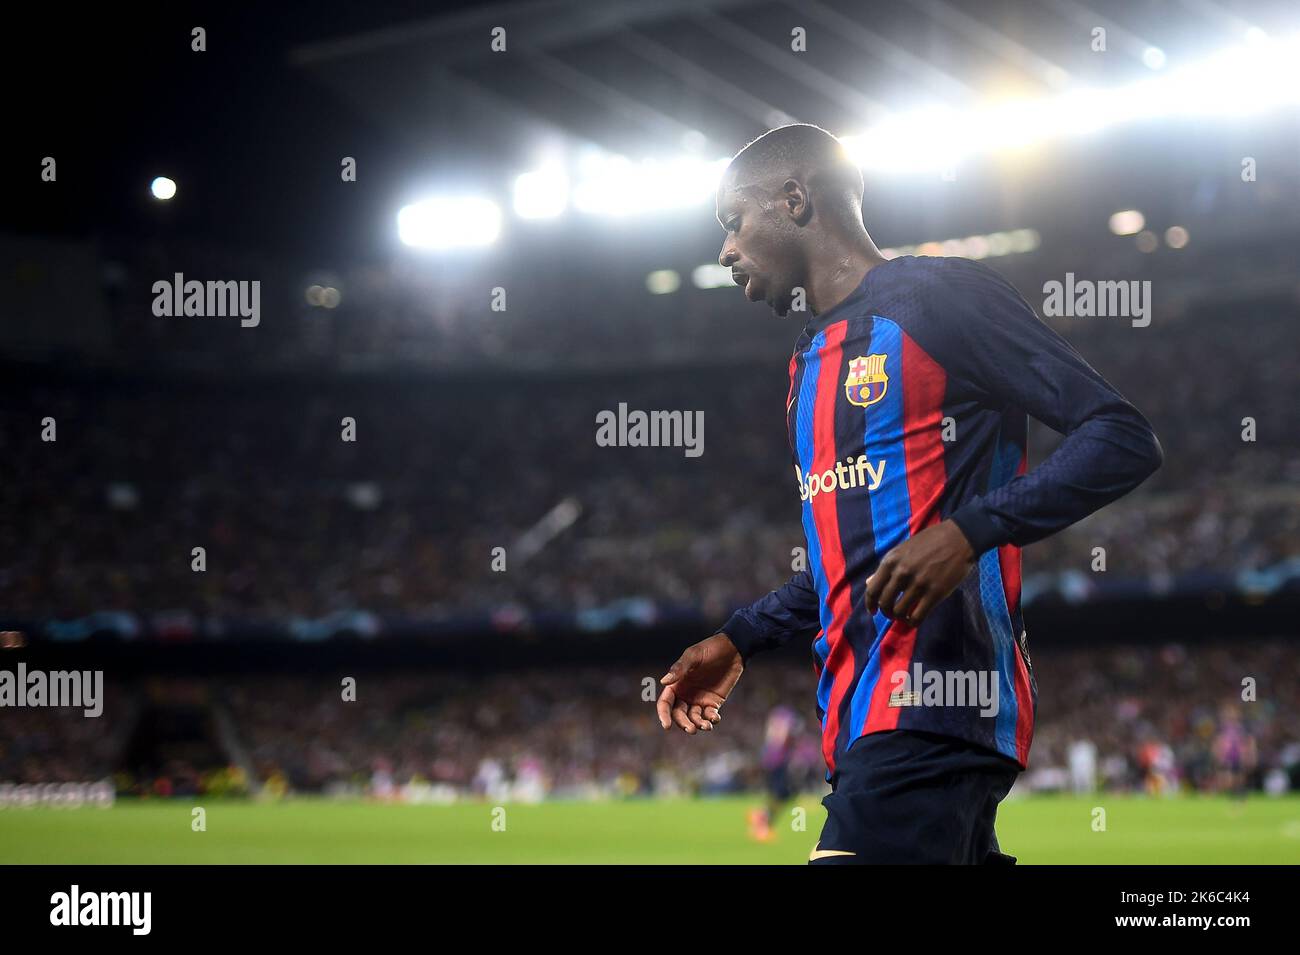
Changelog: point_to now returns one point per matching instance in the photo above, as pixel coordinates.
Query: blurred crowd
(1159, 719)
(565, 305)
(391, 494)
(593, 731)
(62, 745)
(1167, 717)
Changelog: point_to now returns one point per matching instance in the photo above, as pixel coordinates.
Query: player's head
(786, 201)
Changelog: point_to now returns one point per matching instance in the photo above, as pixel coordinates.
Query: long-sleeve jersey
(908, 405)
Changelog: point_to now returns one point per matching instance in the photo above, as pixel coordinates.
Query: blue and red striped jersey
(908, 405)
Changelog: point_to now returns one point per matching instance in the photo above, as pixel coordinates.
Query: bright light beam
(449, 222)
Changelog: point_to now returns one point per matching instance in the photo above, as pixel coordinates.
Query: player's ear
(796, 200)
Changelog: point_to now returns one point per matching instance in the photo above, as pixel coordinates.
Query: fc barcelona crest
(867, 380)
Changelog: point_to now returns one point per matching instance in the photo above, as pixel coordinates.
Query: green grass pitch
(1042, 829)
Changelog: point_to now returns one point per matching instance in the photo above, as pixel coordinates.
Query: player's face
(761, 247)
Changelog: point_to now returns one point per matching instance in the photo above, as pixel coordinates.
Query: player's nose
(728, 256)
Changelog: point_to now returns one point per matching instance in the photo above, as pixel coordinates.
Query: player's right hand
(696, 686)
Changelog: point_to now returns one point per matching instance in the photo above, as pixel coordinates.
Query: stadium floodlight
(1176, 237)
(1014, 242)
(1260, 75)
(617, 186)
(712, 275)
(449, 222)
(925, 140)
(999, 244)
(542, 193)
(1236, 81)
(1023, 240)
(1009, 124)
(162, 188)
(1127, 222)
(1257, 75)
(663, 282)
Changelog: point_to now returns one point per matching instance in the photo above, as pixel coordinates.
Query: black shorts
(907, 797)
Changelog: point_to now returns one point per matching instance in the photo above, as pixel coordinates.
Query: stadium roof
(708, 75)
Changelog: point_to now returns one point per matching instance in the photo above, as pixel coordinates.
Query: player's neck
(841, 272)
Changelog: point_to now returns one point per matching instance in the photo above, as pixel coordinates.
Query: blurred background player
(779, 743)
(1235, 752)
(1083, 766)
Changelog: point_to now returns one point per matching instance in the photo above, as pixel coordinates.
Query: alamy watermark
(57, 688)
(75, 907)
(651, 429)
(1084, 298)
(922, 687)
(211, 299)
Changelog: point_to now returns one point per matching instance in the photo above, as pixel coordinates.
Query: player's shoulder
(936, 273)
(947, 285)
(947, 272)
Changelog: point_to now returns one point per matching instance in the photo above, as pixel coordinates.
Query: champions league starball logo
(867, 380)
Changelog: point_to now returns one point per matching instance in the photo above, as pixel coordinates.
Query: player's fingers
(681, 719)
(875, 584)
(696, 713)
(908, 599)
(679, 669)
(665, 707)
(889, 593)
(921, 610)
(710, 705)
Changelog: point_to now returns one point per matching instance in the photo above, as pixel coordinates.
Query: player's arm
(990, 336)
(790, 611)
(696, 686)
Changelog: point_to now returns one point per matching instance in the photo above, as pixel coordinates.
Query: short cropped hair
(804, 151)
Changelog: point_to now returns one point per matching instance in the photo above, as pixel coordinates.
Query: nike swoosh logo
(827, 853)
